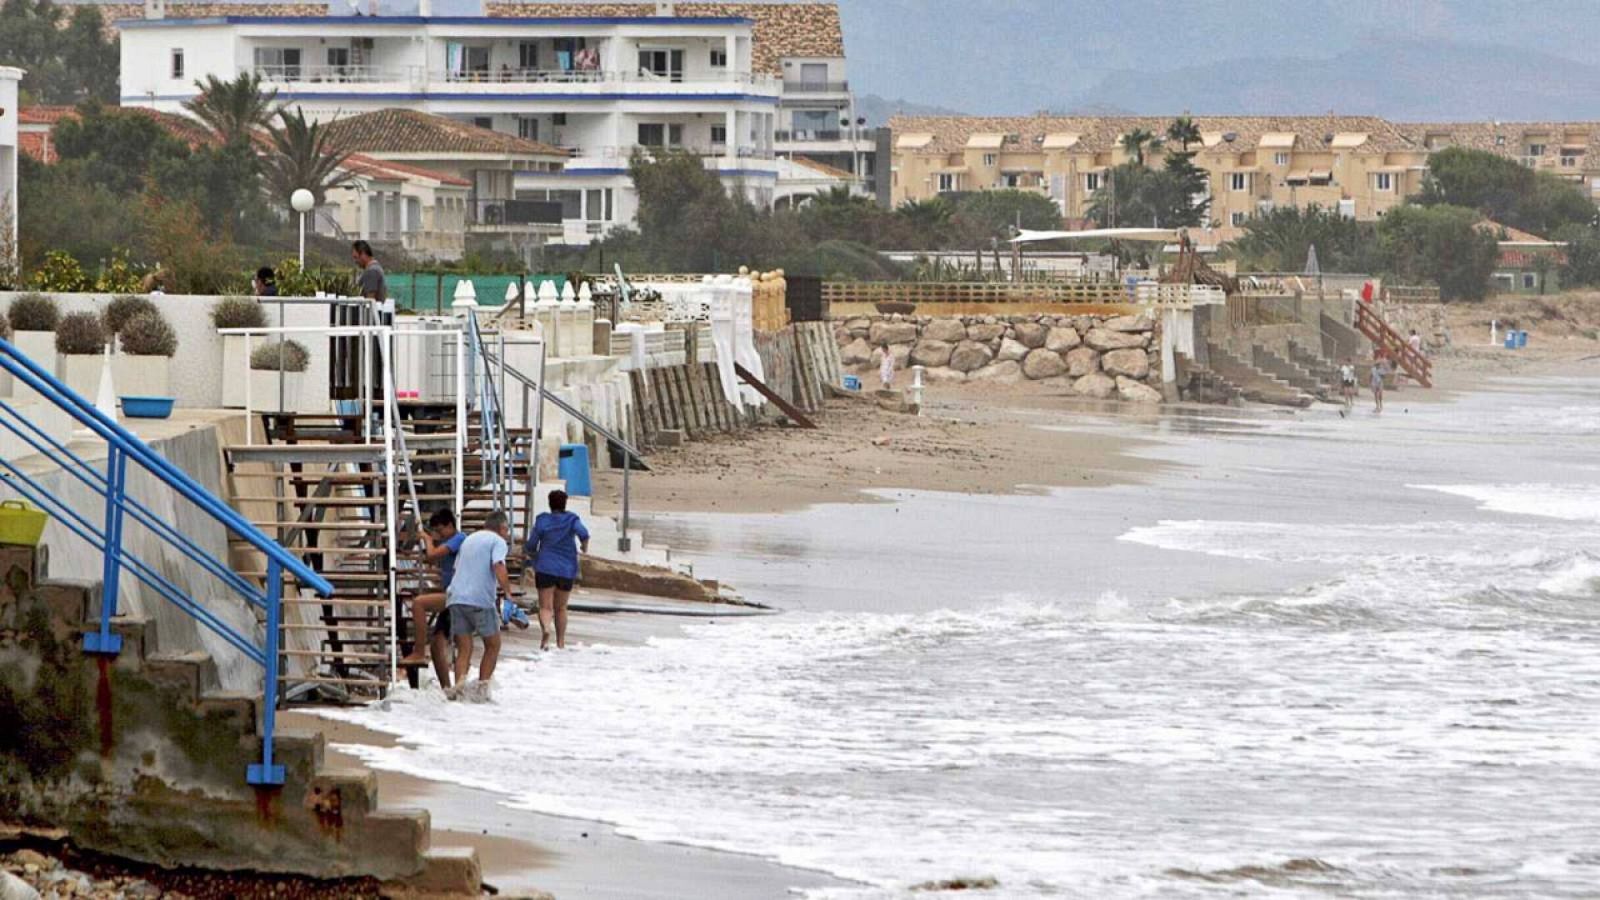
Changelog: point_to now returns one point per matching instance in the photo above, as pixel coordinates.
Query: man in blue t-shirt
(441, 542)
(473, 596)
(552, 548)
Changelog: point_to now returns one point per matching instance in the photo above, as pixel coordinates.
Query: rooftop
(38, 143)
(361, 164)
(409, 131)
(1098, 134)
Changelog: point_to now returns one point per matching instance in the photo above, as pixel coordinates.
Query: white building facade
(9, 78)
(600, 87)
(817, 119)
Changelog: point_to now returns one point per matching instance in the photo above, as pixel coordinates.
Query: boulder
(902, 356)
(988, 331)
(892, 333)
(1042, 363)
(1030, 334)
(1012, 350)
(931, 353)
(860, 326)
(856, 353)
(1136, 391)
(1103, 340)
(1002, 372)
(969, 355)
(947, 330)
(1081, 361)
(1132, 363)
(14, 888)
(943, 375)
(1083, 324)
(1062, 338)
(1098, 385)
(1131, 324)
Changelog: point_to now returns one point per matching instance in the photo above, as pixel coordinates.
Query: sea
(1309, 656)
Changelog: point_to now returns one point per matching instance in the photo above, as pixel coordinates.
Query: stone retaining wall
(1428, 319)
(1097, 356)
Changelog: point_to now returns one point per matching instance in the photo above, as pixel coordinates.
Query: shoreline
(524, 853)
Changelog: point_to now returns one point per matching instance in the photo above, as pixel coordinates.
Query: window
(989, 159)
(719, 134)
(528, 56)
(1529, 280)
(947, 181)
(1535, 149)
(1383, 181)
(281, 63)
(655, 134)
(1280, 158)
(558, 118)
(1237, 219)
(339, 61)
(814, 76)
(662, 63)
(719, 58)
(1571, 157)
(528, 128)
(177, 62)
(597, 204)
(483, 121)
(1238, 181)
(1091, 182)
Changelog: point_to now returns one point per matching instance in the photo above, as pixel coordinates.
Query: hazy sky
(1013, 56)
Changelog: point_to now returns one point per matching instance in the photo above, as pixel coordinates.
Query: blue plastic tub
(1511, 340)
(1522, 339)
(147, 407)
(852, 383)
(573, 467)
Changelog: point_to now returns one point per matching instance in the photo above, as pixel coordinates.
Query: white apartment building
(598, 86)
(9, 78)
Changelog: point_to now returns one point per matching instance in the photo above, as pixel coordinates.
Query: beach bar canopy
(1161, 235)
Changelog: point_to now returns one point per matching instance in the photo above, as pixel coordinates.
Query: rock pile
(1099, 356)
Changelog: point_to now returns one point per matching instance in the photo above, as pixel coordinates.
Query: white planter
(235, 366)
(81, 372)
(264, 391)
(39, 346)
(141, 376)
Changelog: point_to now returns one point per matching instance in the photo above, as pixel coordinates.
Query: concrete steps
(1199, 384)
(1254, 384)
(174, 748)
(1289, 372)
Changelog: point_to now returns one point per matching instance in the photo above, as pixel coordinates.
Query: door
(661, 62)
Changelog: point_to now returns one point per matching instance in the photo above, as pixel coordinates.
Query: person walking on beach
(441, 543)
(553, 546)
(886, 370)
(1380, 367)
(472, 599)
(1347, 385)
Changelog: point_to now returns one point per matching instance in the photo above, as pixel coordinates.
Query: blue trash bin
(1511, 340)
(573, 467)
(1522, 339)
(852, 383)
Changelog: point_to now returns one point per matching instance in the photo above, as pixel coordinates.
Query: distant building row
(1361, 166)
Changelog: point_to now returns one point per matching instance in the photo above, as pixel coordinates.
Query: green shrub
(149, 334)
(35, 312)
(238, 312)
(119, 275)
(294, 355)
(60, 273)
(80, 333)
(122, 310)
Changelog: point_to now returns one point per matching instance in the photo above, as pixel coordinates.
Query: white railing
(335, 74)
(509, 75)
(626, 151)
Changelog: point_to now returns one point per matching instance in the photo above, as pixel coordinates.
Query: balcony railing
(806, 134)
(514, 213)
(509, 75)
(816, 87)
(334, 74)
(626, 151)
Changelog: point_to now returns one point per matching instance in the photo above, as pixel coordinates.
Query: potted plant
(80, 345)
(236, 312)
(268, 363)
(33, 320)
(121, 310)
(144, 368)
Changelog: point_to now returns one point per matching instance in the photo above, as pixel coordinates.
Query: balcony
(625, 152)
(296, 74)
(816, 87)
(514, 215)
(511, 76)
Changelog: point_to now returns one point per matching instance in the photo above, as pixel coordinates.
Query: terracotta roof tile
(823, 168)
(114, 12)
(1505, 138)
(183, 128)
(36, 145)
(781, 29)
(409, 131)
(361, 164)
(43, 115)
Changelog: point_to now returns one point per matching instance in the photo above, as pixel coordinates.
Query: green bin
(21, 523)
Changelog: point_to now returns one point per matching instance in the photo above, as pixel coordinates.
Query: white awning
(1125, 234)
(1061, 140)
(1280, 140)
(914, 140)
(985, 141)
(1346, 140)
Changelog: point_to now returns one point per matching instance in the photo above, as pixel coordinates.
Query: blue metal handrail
(123, 445)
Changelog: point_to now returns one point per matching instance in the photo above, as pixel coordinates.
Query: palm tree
(1184, 131)
(1135, 142)
(303, 155)
(235, 109)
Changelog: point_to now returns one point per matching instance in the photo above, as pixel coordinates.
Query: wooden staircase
(1384, 337)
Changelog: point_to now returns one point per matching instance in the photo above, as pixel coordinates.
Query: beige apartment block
(1361, 166)
(1570, 150)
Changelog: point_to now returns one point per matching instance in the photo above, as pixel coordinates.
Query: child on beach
(1347, 385)
(1380, 368)
(441, 542)
(553, 546)
(886, 370)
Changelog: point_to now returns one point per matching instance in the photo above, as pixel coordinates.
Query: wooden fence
(857, 298)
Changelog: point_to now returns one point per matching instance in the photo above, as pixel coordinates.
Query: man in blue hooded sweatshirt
(553, 546)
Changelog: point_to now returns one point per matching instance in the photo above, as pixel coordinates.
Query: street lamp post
(302, 201)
